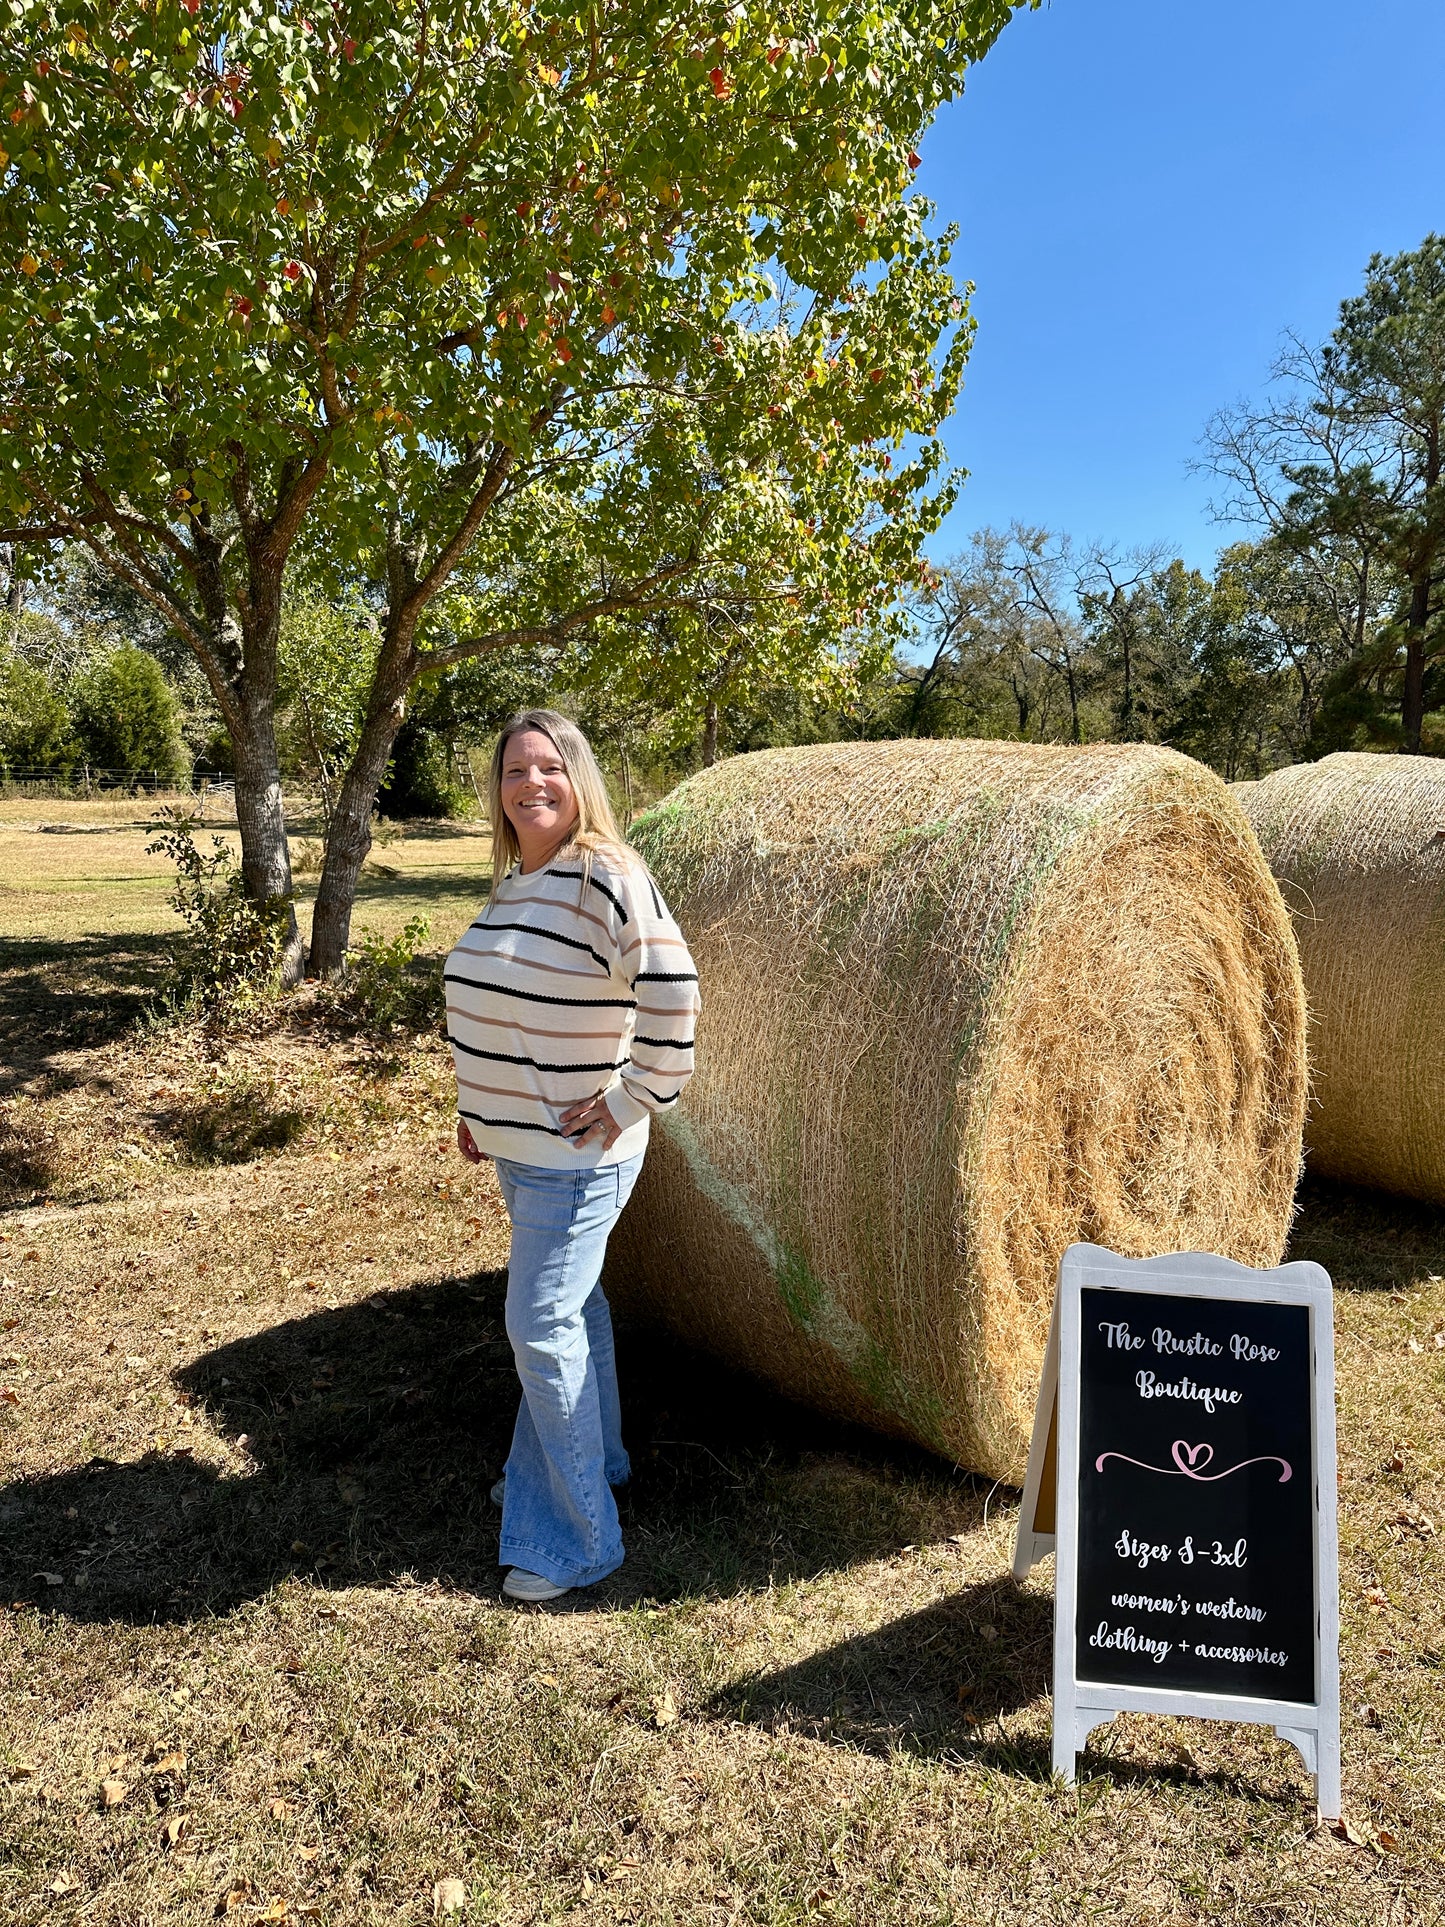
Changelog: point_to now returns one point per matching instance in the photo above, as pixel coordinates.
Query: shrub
(420, 779)
(231, 954)
(386, 987)
(126, 716)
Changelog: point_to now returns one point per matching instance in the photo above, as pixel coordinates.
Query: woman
(571, 1005)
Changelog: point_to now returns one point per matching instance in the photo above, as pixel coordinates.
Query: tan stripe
(654, 943)
(529, 1030)
(533, 963)
(553, 903)
(506, 1090)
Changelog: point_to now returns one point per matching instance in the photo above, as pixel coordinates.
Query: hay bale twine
(963, 1004)
(1357, 844)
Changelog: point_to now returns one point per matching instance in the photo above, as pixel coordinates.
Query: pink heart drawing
(1191, 1453)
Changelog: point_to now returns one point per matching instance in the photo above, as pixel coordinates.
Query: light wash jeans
(558, 1516)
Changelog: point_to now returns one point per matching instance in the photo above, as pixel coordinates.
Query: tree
(1342, 465)
(36, 732)
(402, 283)
(125, 716)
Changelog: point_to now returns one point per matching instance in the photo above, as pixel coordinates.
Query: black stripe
(532, 930)
(611, 895)
(510, 1123)
(663, 1043)
(665, 977)
(501, 1057)
(660, 1101)
(530, 997)
(656, 899)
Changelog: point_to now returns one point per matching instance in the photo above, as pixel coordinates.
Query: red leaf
(915, 160)
(192, 7)
(293, 271)
(348, 48)
(721, 85)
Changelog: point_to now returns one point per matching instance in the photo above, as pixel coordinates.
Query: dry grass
(965, 1004)
(82, 871)
(260, 1385)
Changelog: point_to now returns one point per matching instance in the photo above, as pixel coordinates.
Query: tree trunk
(261, 818)
(1412, 700)
(350, 836)
(709, 734)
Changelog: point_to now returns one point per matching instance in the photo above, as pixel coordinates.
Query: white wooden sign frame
(1048, 1518)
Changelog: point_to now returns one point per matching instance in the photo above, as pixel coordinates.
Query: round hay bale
(964, 1003)
(1357, 844)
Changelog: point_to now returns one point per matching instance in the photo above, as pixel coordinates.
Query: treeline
(1026, 635)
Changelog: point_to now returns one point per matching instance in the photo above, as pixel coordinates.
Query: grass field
(253, 1663)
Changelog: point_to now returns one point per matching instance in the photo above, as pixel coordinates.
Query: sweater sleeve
(655, 961)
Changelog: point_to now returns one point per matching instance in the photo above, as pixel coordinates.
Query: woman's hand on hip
(590, 1121)
(466, 1144)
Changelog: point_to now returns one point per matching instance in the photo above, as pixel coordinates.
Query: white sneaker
(499, 1490)
(530, 1587)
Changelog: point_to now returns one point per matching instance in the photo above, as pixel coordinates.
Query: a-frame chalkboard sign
(1182, 1471)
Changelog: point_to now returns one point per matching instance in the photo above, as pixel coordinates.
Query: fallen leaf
(448, 1897)
(308, 1853)
(50, 1578)
(623, 1868)
(236, 1896)
(112, 1792)
(20, 1771)
(548, 1679)
(1389, 1841)
(65, 1882)
(170, 1763)
(282, 1810)
(1343, 1830)
(664, 1708)
(273, 1910)
(1369, 1715)
(173, 1829)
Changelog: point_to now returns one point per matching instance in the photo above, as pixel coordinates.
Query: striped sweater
(550, 1000)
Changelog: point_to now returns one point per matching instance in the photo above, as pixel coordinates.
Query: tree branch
(642, 594)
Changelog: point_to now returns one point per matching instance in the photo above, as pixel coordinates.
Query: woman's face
(537, 794)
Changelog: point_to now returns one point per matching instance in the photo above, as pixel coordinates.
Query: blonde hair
(596, 830)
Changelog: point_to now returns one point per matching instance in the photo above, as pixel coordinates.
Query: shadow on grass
(228, 1127)
(61, 997)
(1367, 1240)
(933, 1682)
(372, 1434)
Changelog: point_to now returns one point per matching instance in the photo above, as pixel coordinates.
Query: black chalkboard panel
(1196, 1494)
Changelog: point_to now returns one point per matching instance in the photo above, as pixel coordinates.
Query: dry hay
(1357, 843)
(964, 1003)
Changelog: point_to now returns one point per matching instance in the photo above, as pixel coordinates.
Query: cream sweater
(550, 1000)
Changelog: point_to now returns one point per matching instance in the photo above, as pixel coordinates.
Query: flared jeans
(559, 1517)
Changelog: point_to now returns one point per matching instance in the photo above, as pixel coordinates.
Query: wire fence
(91, 779)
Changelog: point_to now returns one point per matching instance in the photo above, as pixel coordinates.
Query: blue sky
(1149, 192)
